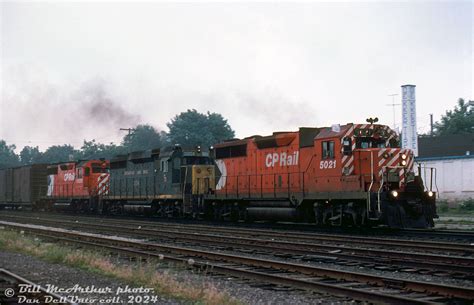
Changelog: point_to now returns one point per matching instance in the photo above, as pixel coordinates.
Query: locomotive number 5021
(327, 164)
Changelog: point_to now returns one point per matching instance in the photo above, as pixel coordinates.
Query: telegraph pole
(128, 129)
(431, 124)
(393, 104)
(129, 133)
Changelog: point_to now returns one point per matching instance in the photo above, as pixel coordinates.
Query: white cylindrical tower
(409, 135)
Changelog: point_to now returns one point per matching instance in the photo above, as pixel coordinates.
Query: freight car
(355, 174)
(168, 182)
(22, 186)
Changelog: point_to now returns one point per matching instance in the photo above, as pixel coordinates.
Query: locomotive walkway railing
(274, 185)
(260, 185)
(280, 185)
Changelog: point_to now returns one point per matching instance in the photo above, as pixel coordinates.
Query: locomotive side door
(327, 165)
(186, 180)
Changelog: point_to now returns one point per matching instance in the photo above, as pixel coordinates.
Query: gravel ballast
(45, 273)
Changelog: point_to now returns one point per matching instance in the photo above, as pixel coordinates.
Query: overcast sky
(74, 71)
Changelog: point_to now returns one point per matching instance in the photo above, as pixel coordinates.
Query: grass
(463, 208)
(138, 274)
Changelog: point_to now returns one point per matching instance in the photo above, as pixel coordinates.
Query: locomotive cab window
(347, 146)
(328, 149)
(368, 142)
(79, 173)
(66, 167)
(164, 165)
(176, 163)
(99, 169)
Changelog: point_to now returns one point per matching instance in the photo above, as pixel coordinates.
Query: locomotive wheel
(318, 214)
(247, 217)
(234, 215)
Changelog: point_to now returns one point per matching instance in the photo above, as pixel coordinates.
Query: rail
(36, 296)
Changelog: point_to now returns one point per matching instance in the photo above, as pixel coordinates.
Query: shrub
(467, 205)
(443, 206)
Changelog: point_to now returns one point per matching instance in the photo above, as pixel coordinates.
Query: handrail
(425, 185)
(380, 188)
(371, 184)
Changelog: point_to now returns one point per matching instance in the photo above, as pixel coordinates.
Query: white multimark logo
(69, 176)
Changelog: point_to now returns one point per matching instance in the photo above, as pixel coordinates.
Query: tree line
(460, 120)
(189, 128)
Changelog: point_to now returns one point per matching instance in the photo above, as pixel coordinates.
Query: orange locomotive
(77, 185)
(355, 174)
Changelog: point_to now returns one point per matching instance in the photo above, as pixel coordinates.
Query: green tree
(457, 121)
(59, 153)
(144, 137)
(194, 128)
(93, 150)
(30, 155)
(8, 157)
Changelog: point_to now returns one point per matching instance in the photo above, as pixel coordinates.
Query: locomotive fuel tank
(272, 213)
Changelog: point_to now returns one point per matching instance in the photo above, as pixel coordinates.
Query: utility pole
(128, 129)
(393, 104)
(129, 133)
(431, 124)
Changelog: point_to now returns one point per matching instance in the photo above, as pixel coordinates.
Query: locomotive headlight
(394, 194)
(404, 157)
(404, 162)
(430, 194)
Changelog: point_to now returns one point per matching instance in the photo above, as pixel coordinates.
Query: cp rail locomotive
(349, 175)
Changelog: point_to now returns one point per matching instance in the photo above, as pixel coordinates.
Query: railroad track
(15, 289)
(433, 234)
(437, 233)
(285, 229)
(358, 286)
(386, 260)
(449, 248)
